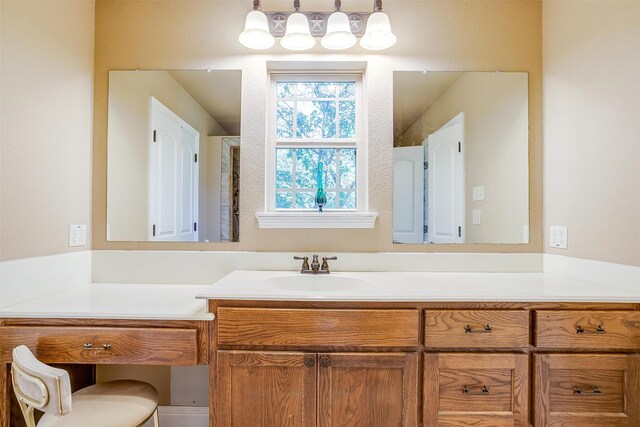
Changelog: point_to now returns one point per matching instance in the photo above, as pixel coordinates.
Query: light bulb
(378, 35)
(298, 36)
(339, 35)
(256, 33)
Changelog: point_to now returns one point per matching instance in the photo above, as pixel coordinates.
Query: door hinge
(459, 147)
(426, 165)
(154, 230)
(155, 136)
(195, 226)
(459, 231)
(425, 229)
(196, 157)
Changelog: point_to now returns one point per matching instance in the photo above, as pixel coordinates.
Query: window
(315, 120)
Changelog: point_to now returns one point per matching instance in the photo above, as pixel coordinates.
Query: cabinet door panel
(266, 389)
(587, 390)
(475, 389)
(368, 390)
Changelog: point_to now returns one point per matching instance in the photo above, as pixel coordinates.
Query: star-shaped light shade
(298, 36)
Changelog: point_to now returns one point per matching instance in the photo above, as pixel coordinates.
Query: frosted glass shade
(378, 35)
(298, 36)
(339, 35)
(256, 33)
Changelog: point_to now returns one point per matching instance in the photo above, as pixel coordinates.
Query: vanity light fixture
(256, 33)
(339, 35)
(298, 30)
(298, 35)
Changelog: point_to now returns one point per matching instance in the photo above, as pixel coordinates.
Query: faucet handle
(325, 264)
(305, 262)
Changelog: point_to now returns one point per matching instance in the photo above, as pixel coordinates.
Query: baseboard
(181, 416)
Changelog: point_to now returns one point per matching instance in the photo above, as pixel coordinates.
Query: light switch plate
(77, 234)
(478, 193)
(477, 213)
(558, 236)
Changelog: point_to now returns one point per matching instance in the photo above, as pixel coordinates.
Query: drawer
(317, 327)
(476, 389)
(587, 390)
(597, 330)
(476, 329)
(149, 346)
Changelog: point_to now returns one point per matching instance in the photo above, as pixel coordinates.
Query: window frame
(273, 143)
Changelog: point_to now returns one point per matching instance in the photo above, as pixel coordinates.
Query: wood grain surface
(300, 328)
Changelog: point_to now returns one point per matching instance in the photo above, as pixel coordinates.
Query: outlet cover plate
(558, 236)
(77, 234)
(477, 214)
(478, 193)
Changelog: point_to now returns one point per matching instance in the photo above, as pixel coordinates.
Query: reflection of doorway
(446, 183)
(408, 198)
(230, 190)
(173, 177)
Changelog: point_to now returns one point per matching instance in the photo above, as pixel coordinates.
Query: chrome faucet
(315, 268)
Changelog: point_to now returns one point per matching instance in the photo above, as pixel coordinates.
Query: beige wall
(592, 127)
(46, 114)
(128, 133)
(495, 138)
(460, 35)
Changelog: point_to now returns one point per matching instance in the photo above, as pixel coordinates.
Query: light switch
(558, 236)
(77, 234)
(476, 216)
(478, 193)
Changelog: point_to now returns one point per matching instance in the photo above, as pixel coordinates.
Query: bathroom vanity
(383, 349)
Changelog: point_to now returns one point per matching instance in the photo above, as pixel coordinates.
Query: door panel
(367, 390)
(266, 389)
(408, 194)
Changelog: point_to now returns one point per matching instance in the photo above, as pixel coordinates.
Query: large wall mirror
(174, 156)
(460, 157)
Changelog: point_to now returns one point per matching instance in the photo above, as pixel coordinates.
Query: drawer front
(476, 329)
(152, 346)
(597, 330)
(587, 390)
(317, 328)
(476, 389)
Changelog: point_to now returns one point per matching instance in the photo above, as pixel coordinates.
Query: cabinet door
(368, 390)
(587, 390)
(475, 389)
(266, 389)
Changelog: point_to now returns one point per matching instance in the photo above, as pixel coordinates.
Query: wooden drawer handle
(486, 329)
(581, 331)
(484, 391)
(595, 391)
(89, 346)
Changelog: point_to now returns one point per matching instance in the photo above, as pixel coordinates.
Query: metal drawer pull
(484, 390)
(309, 362)
(325, 362)
(89, 346)
(486, 329)
(598, 330)
(595, 391)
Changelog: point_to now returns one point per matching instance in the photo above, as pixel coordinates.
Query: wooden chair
(122, 403)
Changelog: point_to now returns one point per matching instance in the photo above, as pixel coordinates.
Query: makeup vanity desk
(105, 323)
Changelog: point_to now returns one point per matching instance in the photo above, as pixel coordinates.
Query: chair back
(39, 386)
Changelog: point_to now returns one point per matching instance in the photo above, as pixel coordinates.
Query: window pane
(284, 119)
(306, 168)
(347, 119)
(285, 89)
(331, 200)
(305, 200)
(348, 200)
(284, 168)
(347, 90)
(316, 89)
(347, 169)
(284, 200)
(316, 119)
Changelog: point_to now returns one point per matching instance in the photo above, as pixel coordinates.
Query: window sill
(316, 219)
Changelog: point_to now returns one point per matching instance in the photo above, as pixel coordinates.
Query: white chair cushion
(122, 403)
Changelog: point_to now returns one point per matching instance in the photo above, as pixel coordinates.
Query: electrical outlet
(77, 234)
(477, 213)
(558, 236)
(478, 193)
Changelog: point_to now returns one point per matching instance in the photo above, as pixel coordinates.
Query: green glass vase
(321, 198)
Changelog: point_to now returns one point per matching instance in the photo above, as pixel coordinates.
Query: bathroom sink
(314, 283)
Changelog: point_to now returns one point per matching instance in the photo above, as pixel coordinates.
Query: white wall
(592, 127)
(46, 85)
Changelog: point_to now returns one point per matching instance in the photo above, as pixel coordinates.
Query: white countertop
(116, 301)
(403, 286)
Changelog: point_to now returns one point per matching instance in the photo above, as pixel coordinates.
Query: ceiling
(218, 92)
(414, 92)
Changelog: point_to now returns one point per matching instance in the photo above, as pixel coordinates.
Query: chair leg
(156, 423)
